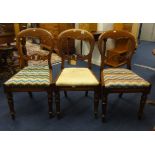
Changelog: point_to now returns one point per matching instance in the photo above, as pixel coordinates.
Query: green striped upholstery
(122, 78)
(31, 76)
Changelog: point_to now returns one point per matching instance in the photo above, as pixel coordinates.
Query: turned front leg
(104, 106)
(50, 103)
(57, 101)
(11, 105)
(142, 104)
(96, 102)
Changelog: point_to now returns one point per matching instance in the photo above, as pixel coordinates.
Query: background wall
(148, 32)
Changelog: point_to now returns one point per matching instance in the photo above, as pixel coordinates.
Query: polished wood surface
(102, 43)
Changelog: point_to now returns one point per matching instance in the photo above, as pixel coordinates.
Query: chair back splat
(78, 34)
(43, 35)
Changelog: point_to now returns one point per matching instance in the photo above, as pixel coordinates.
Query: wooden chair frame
(80, 35)
(113, 34)
(47, 37)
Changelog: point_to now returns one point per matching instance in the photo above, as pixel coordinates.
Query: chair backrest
(78, 34)
(44, 36)
(116, 35)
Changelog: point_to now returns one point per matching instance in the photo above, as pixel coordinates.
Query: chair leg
(65, 93)
(11, 105)
(86, 93)
(30, 94)
(104, 106)
(120, 95)
(96, 103)
(129, 65)
(142, 104)
(57, 101)
(50, 104)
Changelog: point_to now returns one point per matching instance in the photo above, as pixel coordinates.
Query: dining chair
(76, 78)
(120, 80)
(32, 78)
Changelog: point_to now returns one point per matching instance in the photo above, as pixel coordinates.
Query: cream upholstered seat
(122, 78)
(77, 77)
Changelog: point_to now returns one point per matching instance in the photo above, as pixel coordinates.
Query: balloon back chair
(76, 78)
(34, 78)
(120, 80)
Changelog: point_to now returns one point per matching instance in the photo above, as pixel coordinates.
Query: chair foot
(139, 117)
(120, 95)
(142, 104)
(13, 116)
(86, 93)
(30, 94)
(65, 93)
(51, 114)
(95, 115)
(59, 116)
(104, 119)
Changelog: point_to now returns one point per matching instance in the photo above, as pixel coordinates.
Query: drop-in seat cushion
(77, 77)
(122, 78)
(31, 76)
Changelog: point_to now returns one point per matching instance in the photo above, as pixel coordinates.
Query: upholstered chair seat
(122, 78)
(30, 76)
(77, 77)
